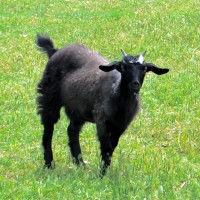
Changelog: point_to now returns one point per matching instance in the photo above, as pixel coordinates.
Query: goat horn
(144, 53)
(123, 53)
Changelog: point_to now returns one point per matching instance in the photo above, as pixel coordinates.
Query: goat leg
(106, 153)
(46, 142)
(74, 144)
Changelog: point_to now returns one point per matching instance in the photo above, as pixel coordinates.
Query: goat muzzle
(135, 86)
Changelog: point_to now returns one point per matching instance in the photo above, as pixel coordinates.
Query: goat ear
(155, 69)
(111, 66)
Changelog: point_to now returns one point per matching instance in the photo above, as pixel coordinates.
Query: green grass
(159, 155)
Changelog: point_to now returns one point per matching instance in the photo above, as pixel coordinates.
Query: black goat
(91, 89)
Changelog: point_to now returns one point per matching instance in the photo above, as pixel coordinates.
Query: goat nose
(135, 84)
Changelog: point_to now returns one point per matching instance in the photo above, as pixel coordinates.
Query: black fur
(91, 90)
(46, 45)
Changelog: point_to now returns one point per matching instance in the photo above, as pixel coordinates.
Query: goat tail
(46, 45)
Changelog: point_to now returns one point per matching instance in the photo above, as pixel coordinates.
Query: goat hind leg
(74, 144)
(46, 142)
(48, 120)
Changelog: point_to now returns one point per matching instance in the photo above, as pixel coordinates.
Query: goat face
(133, 70)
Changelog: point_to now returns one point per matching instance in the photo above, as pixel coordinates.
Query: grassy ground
(159, 155)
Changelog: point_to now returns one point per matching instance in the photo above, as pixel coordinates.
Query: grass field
(159, 155)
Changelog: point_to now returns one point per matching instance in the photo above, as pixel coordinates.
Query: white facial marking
(140, 59)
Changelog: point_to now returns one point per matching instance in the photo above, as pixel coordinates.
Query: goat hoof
(49, 165)
(83, 165)
(102, 173)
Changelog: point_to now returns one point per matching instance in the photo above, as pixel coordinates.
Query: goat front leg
(106, 154)
(107, 146)
(109, 138)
